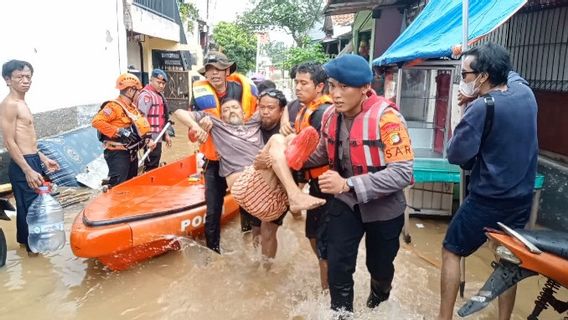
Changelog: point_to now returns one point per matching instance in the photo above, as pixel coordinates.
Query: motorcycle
(4, 205)
(523, 254)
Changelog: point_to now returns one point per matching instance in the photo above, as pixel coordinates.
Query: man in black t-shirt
(271, 104)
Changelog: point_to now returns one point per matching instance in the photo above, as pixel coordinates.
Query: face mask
(468, 89)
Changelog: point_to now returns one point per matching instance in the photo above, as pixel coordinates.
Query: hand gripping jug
(45, 223)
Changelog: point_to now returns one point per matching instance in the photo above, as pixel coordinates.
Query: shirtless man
(16, 122)
(264, 193)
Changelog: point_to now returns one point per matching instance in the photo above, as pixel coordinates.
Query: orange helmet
(127, 80)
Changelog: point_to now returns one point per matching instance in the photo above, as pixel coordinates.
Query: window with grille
(537, 41)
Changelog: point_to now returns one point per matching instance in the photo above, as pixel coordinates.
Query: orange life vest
(366, 147)
(302, 121)
(306, 112)
(206, 100)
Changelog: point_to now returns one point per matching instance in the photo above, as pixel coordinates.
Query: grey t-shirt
(237, 145)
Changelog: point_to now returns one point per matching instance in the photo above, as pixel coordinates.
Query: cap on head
(257, 78)
(127, 80)
(160, 74)
(350, 69)
(219, 61)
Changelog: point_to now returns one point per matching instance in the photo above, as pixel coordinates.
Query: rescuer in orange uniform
(123, 130)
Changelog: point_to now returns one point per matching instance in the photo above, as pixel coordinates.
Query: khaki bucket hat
(219, 61)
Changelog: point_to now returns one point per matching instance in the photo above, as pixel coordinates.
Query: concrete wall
(149, 23)
(77, 48)
(134, 55)
(51, 123)
(387, 29)
(553, 121)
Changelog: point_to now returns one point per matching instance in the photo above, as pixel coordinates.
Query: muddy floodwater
(195, 283)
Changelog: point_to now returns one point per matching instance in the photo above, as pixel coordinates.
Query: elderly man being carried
(264, 192)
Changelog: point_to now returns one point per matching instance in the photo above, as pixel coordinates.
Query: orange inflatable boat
(142, 217)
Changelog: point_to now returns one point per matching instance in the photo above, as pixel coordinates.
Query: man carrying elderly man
(264, 192)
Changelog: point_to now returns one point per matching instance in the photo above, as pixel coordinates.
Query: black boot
(379, 293)
(341, 297)
(3, 248)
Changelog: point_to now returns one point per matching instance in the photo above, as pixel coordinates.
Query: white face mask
(468, 89)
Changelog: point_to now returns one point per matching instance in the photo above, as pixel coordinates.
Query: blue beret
(159, 72)
(350, 69)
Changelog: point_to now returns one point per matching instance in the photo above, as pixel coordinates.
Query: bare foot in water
(300, 201)
(266, 263)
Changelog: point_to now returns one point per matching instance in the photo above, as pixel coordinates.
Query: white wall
(146, 22)
(134, 55)
(77, 49)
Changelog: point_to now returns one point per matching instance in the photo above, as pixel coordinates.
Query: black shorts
(255, 222)
(465, 233)
(313, 221)
(314, 216)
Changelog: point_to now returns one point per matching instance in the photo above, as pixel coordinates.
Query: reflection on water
(195, 282)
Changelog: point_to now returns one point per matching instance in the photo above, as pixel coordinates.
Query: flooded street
(196, 283)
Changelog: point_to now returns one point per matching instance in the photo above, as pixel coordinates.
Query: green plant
(296, 17)
(238, 43)
(309, 52)
(188, 12)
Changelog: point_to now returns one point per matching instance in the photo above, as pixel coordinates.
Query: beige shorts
(253, 194)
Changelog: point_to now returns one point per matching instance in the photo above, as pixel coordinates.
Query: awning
(335, 7)
(438, 28)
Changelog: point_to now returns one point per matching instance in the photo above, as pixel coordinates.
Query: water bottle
(45, 223)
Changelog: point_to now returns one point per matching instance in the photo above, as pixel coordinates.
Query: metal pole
(464, 174)
(158, 139)
(465, 24)
(257, 51)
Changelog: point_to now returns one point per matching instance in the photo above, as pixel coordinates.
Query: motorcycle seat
(554, 242)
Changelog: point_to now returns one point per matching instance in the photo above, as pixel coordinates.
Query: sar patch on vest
(399, 153)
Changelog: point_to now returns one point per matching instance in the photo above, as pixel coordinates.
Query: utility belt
(113, 145)
(116, 145)
(305, 175)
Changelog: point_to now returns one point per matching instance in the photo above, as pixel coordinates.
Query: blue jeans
(215, 190)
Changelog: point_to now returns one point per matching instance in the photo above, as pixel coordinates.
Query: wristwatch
(350, 184)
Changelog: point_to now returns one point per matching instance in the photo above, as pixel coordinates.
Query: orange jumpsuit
(122, 163)
(112, 117)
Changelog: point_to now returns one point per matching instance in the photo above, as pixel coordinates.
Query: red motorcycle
(523, 254)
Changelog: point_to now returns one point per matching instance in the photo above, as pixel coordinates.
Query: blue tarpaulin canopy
(438, 28)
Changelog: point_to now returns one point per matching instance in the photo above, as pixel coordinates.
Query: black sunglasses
(465, 73)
